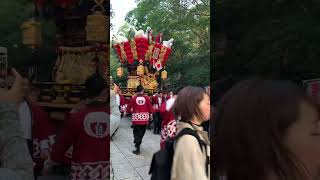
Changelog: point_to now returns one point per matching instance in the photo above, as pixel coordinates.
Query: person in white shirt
(118, 100)
(26, 123)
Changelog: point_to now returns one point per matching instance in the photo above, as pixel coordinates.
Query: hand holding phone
(18, 90)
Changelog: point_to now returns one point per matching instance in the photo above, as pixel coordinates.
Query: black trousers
(30, 146)
(138, 133)
(157, 122)
(120, 112)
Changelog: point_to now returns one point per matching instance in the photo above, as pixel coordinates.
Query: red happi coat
(123, 100)
(156, 103)
(169, 124)
(123, 103)
(44, 133)
(141, 109)
(87, 131)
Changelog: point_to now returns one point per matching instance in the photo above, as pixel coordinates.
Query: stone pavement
(125, 164)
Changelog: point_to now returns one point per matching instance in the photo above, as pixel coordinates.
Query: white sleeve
(25, 120)
(118, 99)
(169, 104)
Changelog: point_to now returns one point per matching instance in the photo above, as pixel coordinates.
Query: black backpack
(161, 163)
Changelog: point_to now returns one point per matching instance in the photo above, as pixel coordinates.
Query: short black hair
(95, 84)
(140, 88)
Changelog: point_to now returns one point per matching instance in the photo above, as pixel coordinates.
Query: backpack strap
(189, 131)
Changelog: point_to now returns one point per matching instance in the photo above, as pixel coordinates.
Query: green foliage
(277, 39)
(114, 64)
(186, 21)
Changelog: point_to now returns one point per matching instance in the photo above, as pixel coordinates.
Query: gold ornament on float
(164, 75)
(140, 69)
(97, 24)
(31, 33)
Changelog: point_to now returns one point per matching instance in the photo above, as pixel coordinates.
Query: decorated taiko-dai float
(144, 58)
(81, 49)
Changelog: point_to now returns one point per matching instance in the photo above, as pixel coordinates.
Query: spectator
(267, 130)
(16, 162)
(191, 160)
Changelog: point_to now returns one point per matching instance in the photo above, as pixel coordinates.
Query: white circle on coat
(141, 101)
(96, 124)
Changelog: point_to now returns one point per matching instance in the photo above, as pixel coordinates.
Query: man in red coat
(168, 126)
(154, 102)
(123, 103)
(141, 110)
(87, 131)
(43, 132)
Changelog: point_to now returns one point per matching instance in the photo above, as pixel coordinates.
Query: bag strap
(189, 131)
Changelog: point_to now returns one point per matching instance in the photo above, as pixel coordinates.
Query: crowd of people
(168, 114)
(32, 145)
(262, 130)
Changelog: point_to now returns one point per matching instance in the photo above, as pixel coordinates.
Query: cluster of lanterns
(96, 28)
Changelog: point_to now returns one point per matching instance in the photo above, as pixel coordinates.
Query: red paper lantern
(142, 46)
(118, 50)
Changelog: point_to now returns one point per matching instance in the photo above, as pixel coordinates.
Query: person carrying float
(87, 131)
(141, 112)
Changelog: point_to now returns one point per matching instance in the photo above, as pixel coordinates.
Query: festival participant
(123, 103)
(44, 132)
(87, 130)
(151, 123)
(165, 95)
(158, 117)
(141, 110)
(159, 38)
(155, 104)
(170, 95)
(168, 126)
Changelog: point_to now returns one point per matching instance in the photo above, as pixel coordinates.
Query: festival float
(144, 57)
(81, 49)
